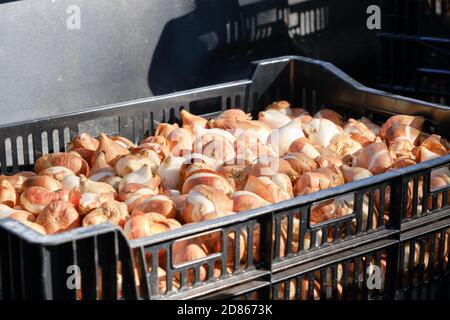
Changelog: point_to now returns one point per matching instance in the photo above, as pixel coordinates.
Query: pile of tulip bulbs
(210, 168)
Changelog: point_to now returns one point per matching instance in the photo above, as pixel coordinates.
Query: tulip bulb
(375, 158)
(8, 194)
(182, 141)
(268, 166)
(334, 174)
(401, 163)
(90, 201)
(84, 141)
(311, 182)
(439, 179)
(207, 135)
(165, 129)
(330, 115)
(285, 108)
(19, 215)
(286, 135)
(131, 163)
(161, 204)
(191, 120)
(402, 132)
(268, 189)
(227, 119)
(103, 176)
(35, 199)
(203, 200)
(46, 182)
(153, 151)
(274, 119)
(145, 225)
(303, 145)
(300, 162)
(135, 189)
(17, 180)
(249, 149)
(135, 199)
(114, 212)
(71, 183)
(284, 182)
(322, 131)
(355, 173)
(358, 131)
(57, 172)
(405, 120)
(344, 145)
(220, 150)
(59, 216)
(430, 148)
(252, 128)
(122, 141)
(88, 186)
(100, 164)
(328, 161)
(75, 163)
(246, 200)
(195, 162)
(142, 176)
(156, 140)
(236, 175)
(112, 150)
(234, 114)
(169, 171)
(401, 149)
(208, 178)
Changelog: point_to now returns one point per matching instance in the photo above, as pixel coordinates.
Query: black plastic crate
(417, 17)
(403, 274)
(415, 49)
(336, 31)
(415, 66)
(112, 267)
(364, 273)
(424, 272)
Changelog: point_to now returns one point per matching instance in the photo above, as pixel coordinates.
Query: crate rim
(130, 103)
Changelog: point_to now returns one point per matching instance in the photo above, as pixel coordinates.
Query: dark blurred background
(129, 49)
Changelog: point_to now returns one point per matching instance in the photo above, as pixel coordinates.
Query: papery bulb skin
(375, 158)
(112, 151)
(203, 200)
(59, 216)
(8, 195)
(35, 199)
(282, 139)
(46, 182)
(322, 131)
(413, 121)
(274, 119)
(330, 115)
(355, 173)
(169, 171)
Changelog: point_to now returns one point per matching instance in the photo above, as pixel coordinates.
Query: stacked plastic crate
(415, 49)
